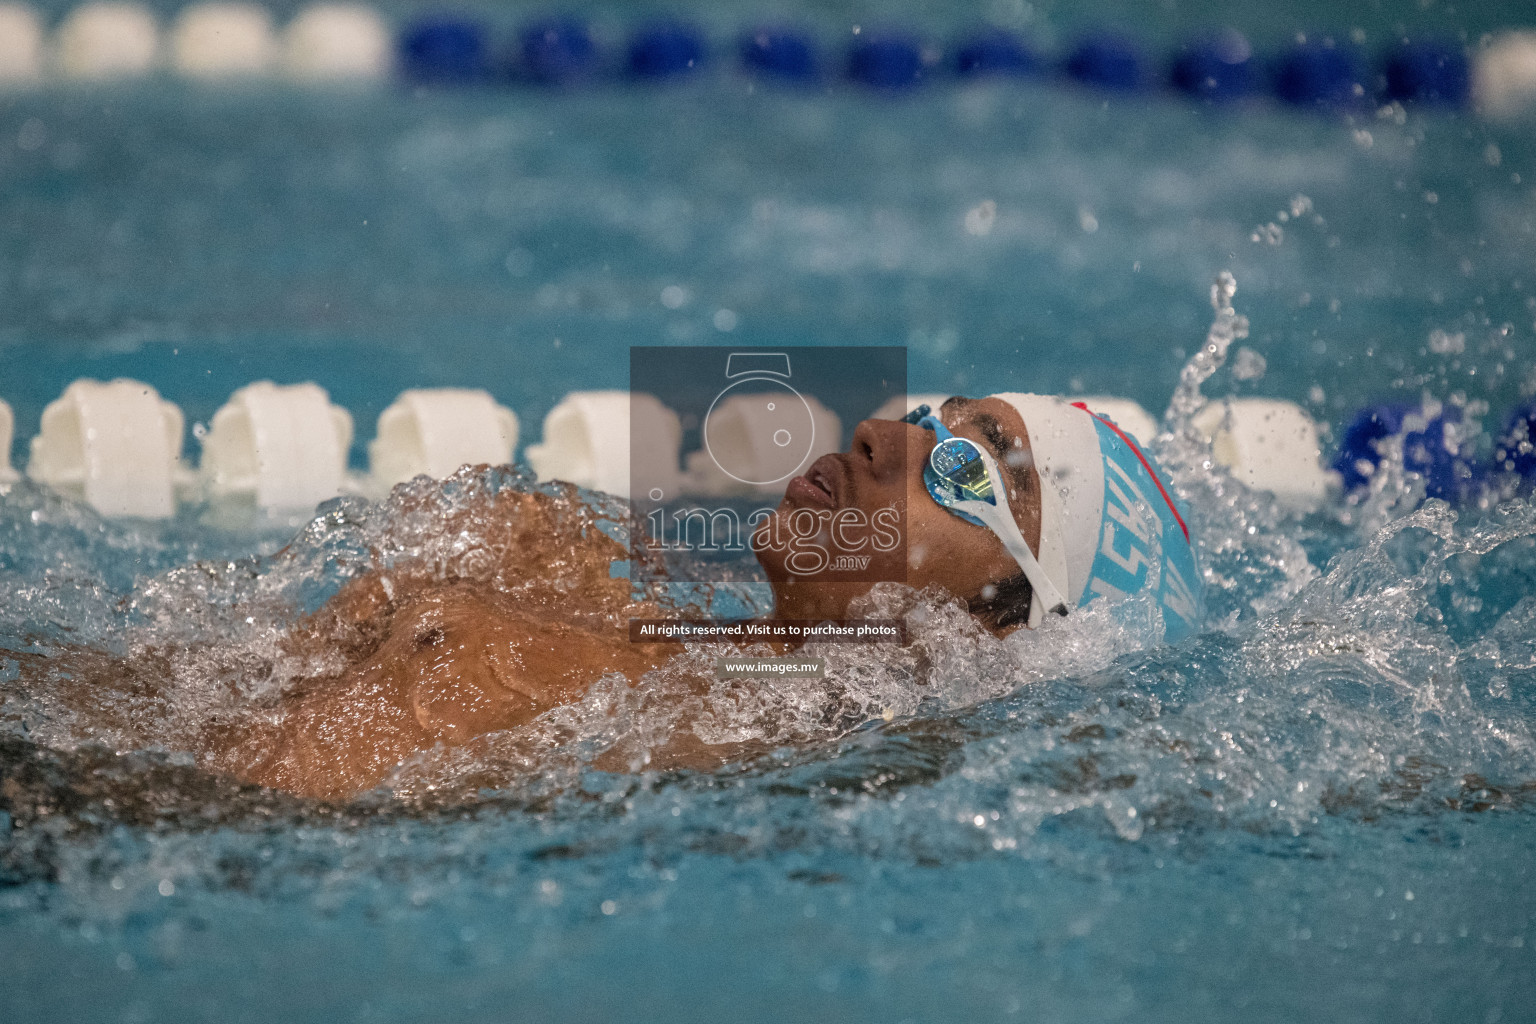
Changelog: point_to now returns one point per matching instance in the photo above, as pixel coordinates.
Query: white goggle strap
(1038, 606)
(999, 519)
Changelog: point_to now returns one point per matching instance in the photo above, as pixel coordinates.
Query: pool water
(1321, 807)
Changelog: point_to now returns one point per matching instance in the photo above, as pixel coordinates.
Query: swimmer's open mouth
(822, 484)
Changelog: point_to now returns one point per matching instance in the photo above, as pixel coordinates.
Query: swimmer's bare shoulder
(419, 654)
(543, 548)
(440, 657)
(454, 664)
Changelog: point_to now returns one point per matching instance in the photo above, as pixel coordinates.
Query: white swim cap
(1105, 515)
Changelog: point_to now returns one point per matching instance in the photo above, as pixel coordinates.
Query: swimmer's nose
(880, 448)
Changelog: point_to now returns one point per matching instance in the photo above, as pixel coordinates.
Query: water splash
(1252, 559)
(1399, 681)
(1227, 327)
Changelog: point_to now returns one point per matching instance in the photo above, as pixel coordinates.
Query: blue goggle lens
(960, 470)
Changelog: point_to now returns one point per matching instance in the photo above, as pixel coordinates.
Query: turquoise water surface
(1321, 807)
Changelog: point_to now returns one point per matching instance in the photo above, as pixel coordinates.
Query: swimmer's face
(883, 470)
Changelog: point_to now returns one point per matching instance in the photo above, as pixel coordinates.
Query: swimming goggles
(963, 477)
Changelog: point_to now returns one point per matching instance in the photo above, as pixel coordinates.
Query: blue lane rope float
(1516, 450)
(888, 61)
(1217, 68)
(451, 49)
(665, 49)
(1428, 71)
(1433, 448)
(779, 52)
(1358, 457)
(1319, 74)
(557, 51)
(994, 52)
(445, 50)
(1108, 61)
(1447, 462)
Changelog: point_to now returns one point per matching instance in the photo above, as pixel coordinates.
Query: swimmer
(1022, 506)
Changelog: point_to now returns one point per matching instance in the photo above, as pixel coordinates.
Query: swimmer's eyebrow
(1001, 446)
(993, 432)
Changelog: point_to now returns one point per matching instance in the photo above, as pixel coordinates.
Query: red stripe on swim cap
(1122, 435)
